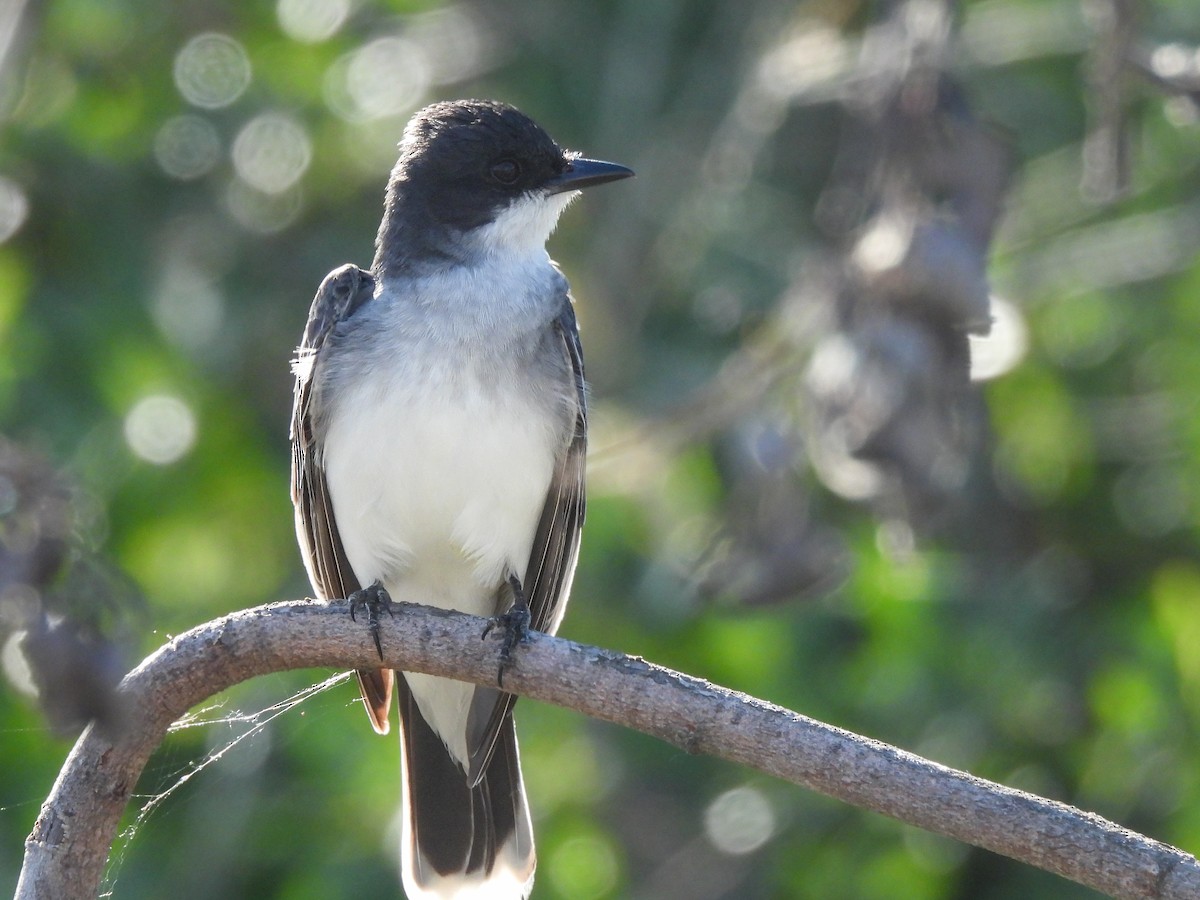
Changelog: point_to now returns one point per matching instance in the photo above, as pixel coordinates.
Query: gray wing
(340, 295)
(556, 541)
(555, 551)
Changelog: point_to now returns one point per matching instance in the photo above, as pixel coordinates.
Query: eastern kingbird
(438, 441)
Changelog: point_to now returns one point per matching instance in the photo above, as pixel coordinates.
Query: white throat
(525, 226)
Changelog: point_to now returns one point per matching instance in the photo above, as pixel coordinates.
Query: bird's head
(482, 176)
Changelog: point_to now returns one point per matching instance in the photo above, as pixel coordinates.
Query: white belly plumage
(438, 500)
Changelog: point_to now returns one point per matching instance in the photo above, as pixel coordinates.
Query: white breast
(437, 493)
(439, 501)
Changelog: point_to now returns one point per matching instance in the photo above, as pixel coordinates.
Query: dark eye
(506, 171)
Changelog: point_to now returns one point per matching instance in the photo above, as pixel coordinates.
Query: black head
(462, 164)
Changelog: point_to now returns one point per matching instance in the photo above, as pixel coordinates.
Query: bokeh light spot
(1172, 61)
(385, 77)
(16, 667)
(739, 821)
(272, 152)
(311, 21)
(188, 309)
(999, 351)
(454, 43)
(261, 212)
(884, 245)
(187, 147)
(160, 429)
(212, 70)
(14, 208)
(584, 866)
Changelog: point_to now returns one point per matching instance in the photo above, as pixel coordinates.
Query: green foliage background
(1066, 662)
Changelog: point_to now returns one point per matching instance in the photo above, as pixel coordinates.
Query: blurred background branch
(61, 650)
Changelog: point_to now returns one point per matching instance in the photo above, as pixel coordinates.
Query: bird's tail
(459, 842)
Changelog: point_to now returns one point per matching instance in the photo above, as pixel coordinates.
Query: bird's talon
(373, 599)
(515, 623)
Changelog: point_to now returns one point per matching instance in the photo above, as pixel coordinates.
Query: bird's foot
(515, 623)
(373, 599)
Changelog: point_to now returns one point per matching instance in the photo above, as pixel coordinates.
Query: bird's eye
(506, 171)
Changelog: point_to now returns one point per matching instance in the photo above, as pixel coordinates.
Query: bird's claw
(373, 599)
(515, 623)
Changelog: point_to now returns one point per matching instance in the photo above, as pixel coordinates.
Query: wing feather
(340, 295)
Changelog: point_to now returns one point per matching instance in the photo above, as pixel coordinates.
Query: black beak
(581, 173)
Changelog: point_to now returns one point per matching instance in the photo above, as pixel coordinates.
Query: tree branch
(66, 852)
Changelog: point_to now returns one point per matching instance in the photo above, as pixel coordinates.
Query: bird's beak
(581, 173)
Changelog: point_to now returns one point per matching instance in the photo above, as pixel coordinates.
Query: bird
(439, 434)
